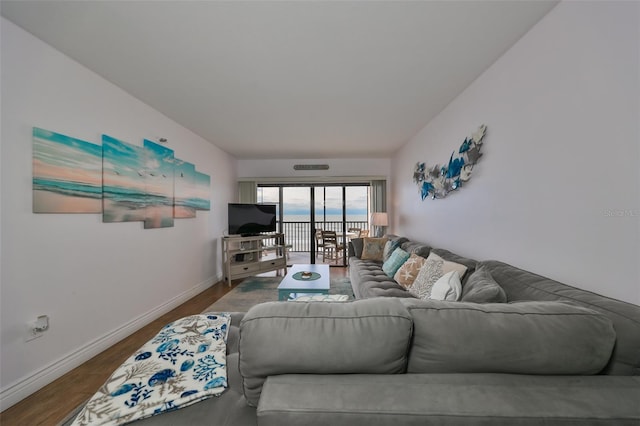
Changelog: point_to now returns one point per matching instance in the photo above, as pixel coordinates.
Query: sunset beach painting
(67, 174)
(191, 190)
(123, 184)
(201, 194)
(159, 174)
(185, 185)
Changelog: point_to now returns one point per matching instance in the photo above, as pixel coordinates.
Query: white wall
(96, 281)
(558, 189)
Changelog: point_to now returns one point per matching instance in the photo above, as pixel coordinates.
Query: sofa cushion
(406, 275)
(482, 288)
(394, 262)
(366, 275)
(524, 285)
(398, 239)
(414, 247)
(365, 336)
(373, 248)
(520, 338)
(432, 270)
(388, 291)
(449, 400)
(452, 257)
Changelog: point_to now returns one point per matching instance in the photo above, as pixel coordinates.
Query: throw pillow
(357, 244)
(373, 248)
(448, 287)
(406, 275)
(432, 270)
(482, 288)
(389, 248)
(395, 261)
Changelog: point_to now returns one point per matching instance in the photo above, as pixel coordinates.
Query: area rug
(256, 290)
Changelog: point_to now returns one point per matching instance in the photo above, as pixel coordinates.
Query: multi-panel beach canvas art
(123, 184)
(67, 174)
(159, 178)
(185, 185)
(122, 181)
(201, 198)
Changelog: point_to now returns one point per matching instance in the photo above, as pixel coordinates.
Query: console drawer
(244, 268)
(270, 265)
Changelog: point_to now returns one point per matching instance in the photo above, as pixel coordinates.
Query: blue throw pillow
(395, 261)
(389, 248)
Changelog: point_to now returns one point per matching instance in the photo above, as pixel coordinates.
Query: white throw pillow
(448, 287)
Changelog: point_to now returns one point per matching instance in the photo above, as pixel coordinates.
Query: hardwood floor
(53, 403)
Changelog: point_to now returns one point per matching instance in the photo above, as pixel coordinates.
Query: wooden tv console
(248, 256)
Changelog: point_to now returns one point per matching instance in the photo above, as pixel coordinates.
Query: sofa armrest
(365, 336)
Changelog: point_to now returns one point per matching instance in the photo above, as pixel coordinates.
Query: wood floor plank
(53, 403)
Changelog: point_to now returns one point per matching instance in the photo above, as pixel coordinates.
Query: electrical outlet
(32, 333)
(37, 328)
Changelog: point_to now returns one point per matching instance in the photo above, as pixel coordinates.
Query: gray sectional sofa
(553, 355)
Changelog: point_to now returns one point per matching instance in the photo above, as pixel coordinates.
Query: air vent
(311, 167)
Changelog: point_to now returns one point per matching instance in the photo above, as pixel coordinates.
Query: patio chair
(331, 249)
(319, 242)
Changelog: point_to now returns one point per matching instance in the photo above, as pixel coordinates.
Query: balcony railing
(299, 235)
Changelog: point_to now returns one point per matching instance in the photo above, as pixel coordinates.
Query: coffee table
(293, 282)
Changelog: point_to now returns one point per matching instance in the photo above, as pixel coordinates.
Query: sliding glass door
(306, 211)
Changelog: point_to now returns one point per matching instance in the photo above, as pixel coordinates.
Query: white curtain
(378, 196)
(247, 192)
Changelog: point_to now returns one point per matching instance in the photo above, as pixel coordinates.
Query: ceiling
(287, 79)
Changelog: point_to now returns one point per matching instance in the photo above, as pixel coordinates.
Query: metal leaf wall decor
(438, 181)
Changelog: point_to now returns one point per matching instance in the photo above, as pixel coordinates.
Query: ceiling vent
(311, 167)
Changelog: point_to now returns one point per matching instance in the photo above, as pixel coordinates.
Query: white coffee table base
(291, 285)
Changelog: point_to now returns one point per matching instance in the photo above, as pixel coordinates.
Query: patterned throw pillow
(389, 248)
(395, 261)
(373, 248)
(406, 275)
(432, 270)
(448, 287)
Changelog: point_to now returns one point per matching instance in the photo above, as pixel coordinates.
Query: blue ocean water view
(129, 196)
(120, 194)
(298, 233)
(75, 189)
(325, 218)
(117, 194)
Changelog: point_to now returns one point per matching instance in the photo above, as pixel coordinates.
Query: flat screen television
(251, 219)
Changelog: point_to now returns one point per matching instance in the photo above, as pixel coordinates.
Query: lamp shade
(379, 219)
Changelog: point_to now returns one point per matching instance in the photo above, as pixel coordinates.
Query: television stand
(245, 256)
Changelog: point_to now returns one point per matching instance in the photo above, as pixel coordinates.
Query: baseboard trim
(16, 392)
